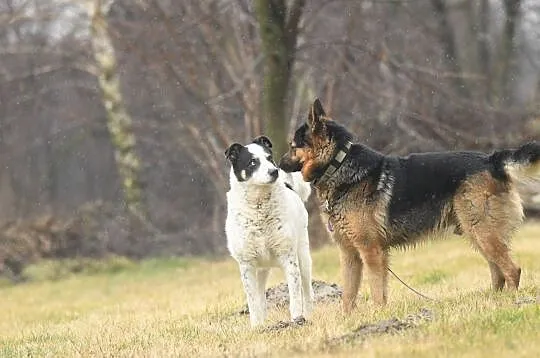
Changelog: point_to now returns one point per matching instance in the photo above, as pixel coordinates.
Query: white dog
(267, 226)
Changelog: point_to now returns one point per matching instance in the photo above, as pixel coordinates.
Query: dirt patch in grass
(389, 326)
(281, 325)
(278, 296)
(528, 300)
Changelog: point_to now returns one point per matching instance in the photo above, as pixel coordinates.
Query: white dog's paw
(307, 309)
(256, 321)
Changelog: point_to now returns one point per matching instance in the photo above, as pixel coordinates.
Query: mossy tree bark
(119, 123)
(279, 27)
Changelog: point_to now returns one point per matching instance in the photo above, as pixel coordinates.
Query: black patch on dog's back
(423, 184)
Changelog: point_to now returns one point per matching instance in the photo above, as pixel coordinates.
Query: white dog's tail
(297, 184)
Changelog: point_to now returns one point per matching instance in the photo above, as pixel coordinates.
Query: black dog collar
(335, 163)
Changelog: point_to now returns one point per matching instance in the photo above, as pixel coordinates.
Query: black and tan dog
(375, 202)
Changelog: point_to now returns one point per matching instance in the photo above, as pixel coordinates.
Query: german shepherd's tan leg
(351, 271)
(489, 212)
(498, 254)
(497, 276)
(375, 259)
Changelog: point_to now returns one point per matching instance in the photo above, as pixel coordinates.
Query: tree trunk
(448, 42)
(505, 56)
(119, 122)
(279, 31)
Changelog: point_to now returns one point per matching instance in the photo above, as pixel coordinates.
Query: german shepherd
(374, 202)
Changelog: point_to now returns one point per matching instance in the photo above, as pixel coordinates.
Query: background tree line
(184, 79)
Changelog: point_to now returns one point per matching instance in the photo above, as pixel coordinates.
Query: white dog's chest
(259, 238)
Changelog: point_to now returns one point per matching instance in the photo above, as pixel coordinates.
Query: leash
(409, 287)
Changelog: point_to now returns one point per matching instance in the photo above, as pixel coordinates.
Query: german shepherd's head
(314, 144)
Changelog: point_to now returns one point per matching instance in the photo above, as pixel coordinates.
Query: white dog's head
(253, 163)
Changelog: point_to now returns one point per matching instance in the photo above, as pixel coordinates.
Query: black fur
(423, 185)
(263, 141)
(528, 153)
(233, 151)
(290, 167)
(301, 136)
(318, 108)
(242, 160)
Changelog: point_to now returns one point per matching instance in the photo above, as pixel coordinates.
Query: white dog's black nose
(273, 173)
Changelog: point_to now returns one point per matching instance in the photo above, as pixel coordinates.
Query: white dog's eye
(252, 162)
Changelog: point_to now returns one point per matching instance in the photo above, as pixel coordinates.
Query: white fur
(297, 183)
(262, 175)
(266, 226)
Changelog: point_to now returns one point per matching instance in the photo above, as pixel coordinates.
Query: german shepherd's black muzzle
(290, 164)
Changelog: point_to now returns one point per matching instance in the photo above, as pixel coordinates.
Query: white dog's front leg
(262, 277)
(304, 259)
(289, 263)
(249, 280)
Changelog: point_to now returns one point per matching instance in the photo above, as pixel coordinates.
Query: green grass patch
(431, 277)
(54, 270)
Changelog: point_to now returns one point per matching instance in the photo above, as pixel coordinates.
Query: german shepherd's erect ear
(316, 117)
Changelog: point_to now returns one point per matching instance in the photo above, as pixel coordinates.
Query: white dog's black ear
(264, 141)
(232, 152)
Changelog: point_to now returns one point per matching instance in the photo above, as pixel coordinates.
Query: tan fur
(351, 272)
(307, 157)
(360, 232)
(489, 212)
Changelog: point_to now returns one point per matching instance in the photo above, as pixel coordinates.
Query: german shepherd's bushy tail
(519, 164)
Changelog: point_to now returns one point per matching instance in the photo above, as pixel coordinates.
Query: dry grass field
(186, 308)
